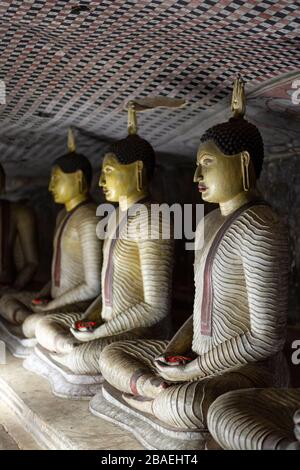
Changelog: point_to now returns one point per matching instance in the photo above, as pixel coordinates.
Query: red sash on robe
(57, 263)
(207, 297)
(108, 281)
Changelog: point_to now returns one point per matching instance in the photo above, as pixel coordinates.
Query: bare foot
(140, 403)
(30, 322)
(150, 386)
(20, 316)
(64, 344)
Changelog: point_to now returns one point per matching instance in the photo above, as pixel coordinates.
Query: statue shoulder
(152, 221)
(139, 213)
(263, 215)
(212, 219)
(86, 213)
(213, 215)
(259, 222)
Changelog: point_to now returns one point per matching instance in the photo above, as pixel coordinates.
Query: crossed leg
(255, 419)
(128, 366)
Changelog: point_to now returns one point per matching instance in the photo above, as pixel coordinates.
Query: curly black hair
(132, 149)
(235, 136)
(71, 162)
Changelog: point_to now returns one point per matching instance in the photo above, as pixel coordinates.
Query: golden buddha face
(119, 180)
(219, 176)
(66, 186)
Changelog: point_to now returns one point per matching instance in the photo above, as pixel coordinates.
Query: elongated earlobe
(139, 177)
(80, 182)
(245, 161)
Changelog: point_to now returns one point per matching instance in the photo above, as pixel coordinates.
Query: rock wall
(280, 185)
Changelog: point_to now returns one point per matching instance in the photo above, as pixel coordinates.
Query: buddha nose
(198, 176)
(101, 180)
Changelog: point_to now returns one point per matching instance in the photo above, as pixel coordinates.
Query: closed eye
(108, 169)
(207, 161)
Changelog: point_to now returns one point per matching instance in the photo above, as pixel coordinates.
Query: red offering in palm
(178, 359)
(85, 325)
(41, 301)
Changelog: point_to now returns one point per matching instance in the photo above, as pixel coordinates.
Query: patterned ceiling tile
(77, 63)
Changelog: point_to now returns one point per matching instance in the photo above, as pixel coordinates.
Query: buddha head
(71, 175)
(127, 169)
(2, 179)
(229, 158)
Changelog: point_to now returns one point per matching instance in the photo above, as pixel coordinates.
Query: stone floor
(31, 417)
(7, 442)
(12, 434)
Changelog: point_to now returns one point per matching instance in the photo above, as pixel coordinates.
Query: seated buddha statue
(237, 330)
(18, 242)
(137, 266)
(77, 252)
(263, 419)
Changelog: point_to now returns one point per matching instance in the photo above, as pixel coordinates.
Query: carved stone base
(37, 419)
(148, 430)
(64, 383)
(16, 343)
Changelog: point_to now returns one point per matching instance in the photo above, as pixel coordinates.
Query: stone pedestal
(108, 404)
(63, 382)
(16, 343)
(53, 423)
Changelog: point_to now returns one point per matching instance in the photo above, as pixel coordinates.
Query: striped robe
(136, 293)
(80, 267)
(262, 419)
(248, 314)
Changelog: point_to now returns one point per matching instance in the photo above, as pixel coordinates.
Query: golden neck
(75, 201)
(126, 202)
(238, 201)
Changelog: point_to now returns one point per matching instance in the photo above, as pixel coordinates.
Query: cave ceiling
(76, 63)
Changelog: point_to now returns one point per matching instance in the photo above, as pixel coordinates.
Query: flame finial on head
(71, 141)
(238, 100)
(138, 105)
(132, 119)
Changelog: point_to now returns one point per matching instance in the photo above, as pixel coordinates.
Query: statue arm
(93, 312)
(45, 291)
(26, 231)
(91, 251)
(156, 258)
(181, 343)
(264, 256)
